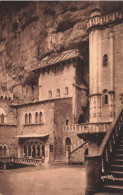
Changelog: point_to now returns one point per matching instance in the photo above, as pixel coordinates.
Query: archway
(68, 144)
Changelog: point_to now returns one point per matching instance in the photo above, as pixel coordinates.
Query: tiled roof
(66, 55)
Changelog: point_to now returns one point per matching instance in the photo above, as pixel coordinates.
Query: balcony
(87, 127)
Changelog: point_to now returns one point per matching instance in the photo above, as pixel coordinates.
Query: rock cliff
(29, 31)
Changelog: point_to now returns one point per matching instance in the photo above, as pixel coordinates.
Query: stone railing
(102, 20)
(87, 127)
(98, 164)
(24, 161)
(77, 144)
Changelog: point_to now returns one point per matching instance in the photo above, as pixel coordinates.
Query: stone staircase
(61, 160)
(113, 179)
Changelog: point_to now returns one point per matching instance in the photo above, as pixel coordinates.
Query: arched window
(105, 97)
(67, 121)
(25, 150)
(30, 118)
(29, 150)
(0, 150)
(5, 98)
(66, 91)
(4, 151)
(50, 94)
(40, 117)
(2, 118)
(26, 118)
(58, 92)
(38, 151)
(36, 117)
(68, 141)
(105, 60)
(9, 98)
(43, 150)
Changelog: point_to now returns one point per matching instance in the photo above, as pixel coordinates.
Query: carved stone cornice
(101, 21)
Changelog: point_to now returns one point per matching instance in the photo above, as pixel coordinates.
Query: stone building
(46, 125)
(36, 129)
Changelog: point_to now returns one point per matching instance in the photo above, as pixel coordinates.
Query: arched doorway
(68, 144)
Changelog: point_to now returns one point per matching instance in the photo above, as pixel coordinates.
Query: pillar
(93, 174)
(47, 153)
(111, 67)
(95, 72)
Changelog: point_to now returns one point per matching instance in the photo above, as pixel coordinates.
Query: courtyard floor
(47, 180)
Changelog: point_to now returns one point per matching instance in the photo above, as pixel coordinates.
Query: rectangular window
(51, 148)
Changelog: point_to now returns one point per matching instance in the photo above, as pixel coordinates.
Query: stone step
(116, 173)
(113, 188)
(120, 146)
(116, 167)
(117, 162)
(119, 150)
(113, 181)
(118, 156)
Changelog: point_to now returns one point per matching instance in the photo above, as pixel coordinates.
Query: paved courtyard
(48, 180)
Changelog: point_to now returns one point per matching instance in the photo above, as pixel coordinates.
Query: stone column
(47, 153)
(95, 72)
(111, 66)
(93, 171)
(27, 149)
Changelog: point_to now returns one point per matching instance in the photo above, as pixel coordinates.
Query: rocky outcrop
(29, 31)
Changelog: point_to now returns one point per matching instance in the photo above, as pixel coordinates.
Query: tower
(103, 68)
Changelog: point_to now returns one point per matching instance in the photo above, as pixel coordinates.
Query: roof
(56, 58)
(31, 136)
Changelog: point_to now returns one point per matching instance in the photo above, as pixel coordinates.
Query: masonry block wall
(8, 129)
(62, 116)
(46, 126)
(49, 81)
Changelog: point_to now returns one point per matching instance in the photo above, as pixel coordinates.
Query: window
(26, 118)
(51, 148)
(9, 98)
(43, 150)
(4, 151)
(68, 141)
(67, 121)
(40, 117)
(36, 117)
(58, 92)
(30, 118)
(50, 94)
(66, 90)
(1, 97)
(58, 69)
(0, 150)
(105, 60)
(5, 98)
(106, 99)
(2, 118)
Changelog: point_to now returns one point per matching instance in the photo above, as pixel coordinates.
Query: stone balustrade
(87, 127)
(77, 144)
(24, 161)
(102, 20)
